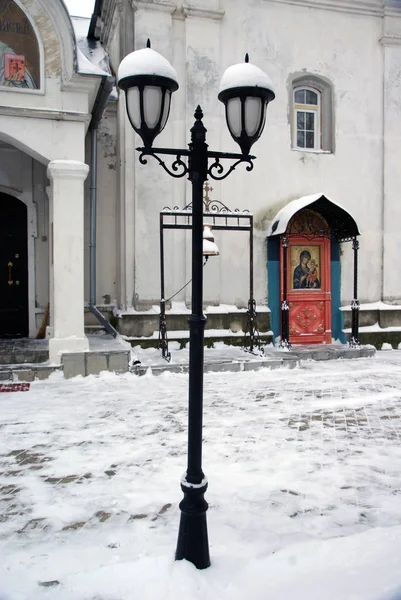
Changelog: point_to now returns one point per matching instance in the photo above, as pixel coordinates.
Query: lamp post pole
(192, 536)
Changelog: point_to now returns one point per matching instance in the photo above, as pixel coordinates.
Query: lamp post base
(354, 343)
(193, 543)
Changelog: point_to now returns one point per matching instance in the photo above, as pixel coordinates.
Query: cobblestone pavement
(309, 452)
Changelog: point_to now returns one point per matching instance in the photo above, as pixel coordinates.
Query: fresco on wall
(19, 49)
(305, 267)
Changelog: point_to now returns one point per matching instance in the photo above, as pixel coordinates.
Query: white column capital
(189, 10)
(159, 5)
(67, 169)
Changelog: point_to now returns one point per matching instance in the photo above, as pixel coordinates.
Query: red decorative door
(308, 289)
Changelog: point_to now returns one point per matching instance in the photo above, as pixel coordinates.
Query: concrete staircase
(24, 360)
(222, 325)
(379, 323)
(28, 359)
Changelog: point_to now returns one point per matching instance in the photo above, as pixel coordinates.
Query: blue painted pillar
(337, 316)
(273, 284)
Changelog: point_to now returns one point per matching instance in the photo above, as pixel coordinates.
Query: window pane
(253, 114)
(311, 97)
(310, 121)
(133, 106)
(166, 109)
(152, 103)
(301, 139)
(300, 96)
(310, 139)
(234, 115)
(300, 120)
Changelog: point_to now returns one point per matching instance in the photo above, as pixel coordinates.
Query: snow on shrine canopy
(340, 221)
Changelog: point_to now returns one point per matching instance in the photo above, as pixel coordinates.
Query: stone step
(91, 319)
(28, 372)
(146, 324)
(211, 337)
(221, 366)
(271, 358)
(93, 329)
(23, 351)
(94, 362)
(23, 358)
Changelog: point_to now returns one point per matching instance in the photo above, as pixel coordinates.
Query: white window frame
(314, 109)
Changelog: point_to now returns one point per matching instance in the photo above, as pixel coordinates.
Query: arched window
(20, 64)
(307, 118)
(312, 122)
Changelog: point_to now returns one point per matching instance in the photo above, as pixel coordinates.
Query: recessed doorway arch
(14, 294)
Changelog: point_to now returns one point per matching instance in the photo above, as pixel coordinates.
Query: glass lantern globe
(148, 81)
(245, 91)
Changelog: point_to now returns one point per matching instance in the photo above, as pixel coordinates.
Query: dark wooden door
(14, 320)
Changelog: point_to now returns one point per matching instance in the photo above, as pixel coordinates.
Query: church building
(82, 242)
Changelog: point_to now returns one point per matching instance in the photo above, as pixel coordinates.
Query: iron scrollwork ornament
(178, 168)
(216, 169)
(252, 335)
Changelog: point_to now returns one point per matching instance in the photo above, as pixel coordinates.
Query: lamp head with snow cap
(148, 81)
(245, 91)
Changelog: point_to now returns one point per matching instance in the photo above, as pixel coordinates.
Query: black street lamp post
(148, 80)
(285, 307)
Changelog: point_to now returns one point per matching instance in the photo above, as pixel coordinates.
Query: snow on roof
(245, 75)
(92, 57)
(281, 220)
(146, 62)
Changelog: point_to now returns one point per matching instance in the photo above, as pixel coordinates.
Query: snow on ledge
(85, 67)
(174, 334)
(374, 329)
(374, 306)
(179, 308)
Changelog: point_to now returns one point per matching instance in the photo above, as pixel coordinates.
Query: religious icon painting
(14, 67)
(305, 267)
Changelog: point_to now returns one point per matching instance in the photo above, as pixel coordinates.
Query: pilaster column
(391, 208)
(67, 257)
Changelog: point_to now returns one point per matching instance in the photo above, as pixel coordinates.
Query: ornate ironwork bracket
(285, 321)
(285, 307)
(179, 168)
(163, 340)
(216, 169)
(354, 340)
(252, 335)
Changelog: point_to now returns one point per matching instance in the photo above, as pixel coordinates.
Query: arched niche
(38, 37)
(21, 52)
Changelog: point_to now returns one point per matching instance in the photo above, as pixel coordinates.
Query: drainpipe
(97, 113)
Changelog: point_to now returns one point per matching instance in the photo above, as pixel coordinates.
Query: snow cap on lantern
(148, 80)
(245, 91)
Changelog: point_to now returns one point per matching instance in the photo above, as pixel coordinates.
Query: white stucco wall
(327, 44)
(391, 179)
(284, 39)
(107, 186)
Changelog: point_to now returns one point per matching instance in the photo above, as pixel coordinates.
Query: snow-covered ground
(304, 470)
